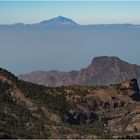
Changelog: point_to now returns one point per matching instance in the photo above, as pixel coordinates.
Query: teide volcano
(102, 71)
(58, 21)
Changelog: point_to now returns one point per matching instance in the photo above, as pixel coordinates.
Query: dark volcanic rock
(132, 84)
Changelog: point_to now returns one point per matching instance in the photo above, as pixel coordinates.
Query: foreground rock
(68, 111)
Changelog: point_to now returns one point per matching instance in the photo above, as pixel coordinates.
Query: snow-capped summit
(58, 21)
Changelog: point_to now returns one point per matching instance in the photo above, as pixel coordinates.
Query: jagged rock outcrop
(131, 84)
(102, 71)
(113, 108)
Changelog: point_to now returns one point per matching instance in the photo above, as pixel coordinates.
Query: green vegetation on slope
(44, 96)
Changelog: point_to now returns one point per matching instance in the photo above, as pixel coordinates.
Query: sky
(83, 12)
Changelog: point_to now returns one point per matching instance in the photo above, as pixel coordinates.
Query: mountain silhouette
(57, 21)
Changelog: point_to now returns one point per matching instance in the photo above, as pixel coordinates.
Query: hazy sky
(82, 12)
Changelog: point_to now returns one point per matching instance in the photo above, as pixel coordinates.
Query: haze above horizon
(91, 12)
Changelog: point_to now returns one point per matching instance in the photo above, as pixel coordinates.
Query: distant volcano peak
(58, 21)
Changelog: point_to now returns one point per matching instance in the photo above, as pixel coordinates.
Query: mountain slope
(102, 71)
(31, 111)
(28, 110)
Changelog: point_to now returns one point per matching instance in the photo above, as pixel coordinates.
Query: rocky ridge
(102, 71)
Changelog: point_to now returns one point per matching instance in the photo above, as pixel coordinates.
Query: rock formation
(102, 71)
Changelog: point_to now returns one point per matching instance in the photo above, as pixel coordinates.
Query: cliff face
(68, 111)
(102, 71)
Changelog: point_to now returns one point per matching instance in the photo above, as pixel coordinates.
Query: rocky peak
(105, 58)
(105, 68)
(105, 61)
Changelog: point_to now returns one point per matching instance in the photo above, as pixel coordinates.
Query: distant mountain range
(102, 71)
(61, 21)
